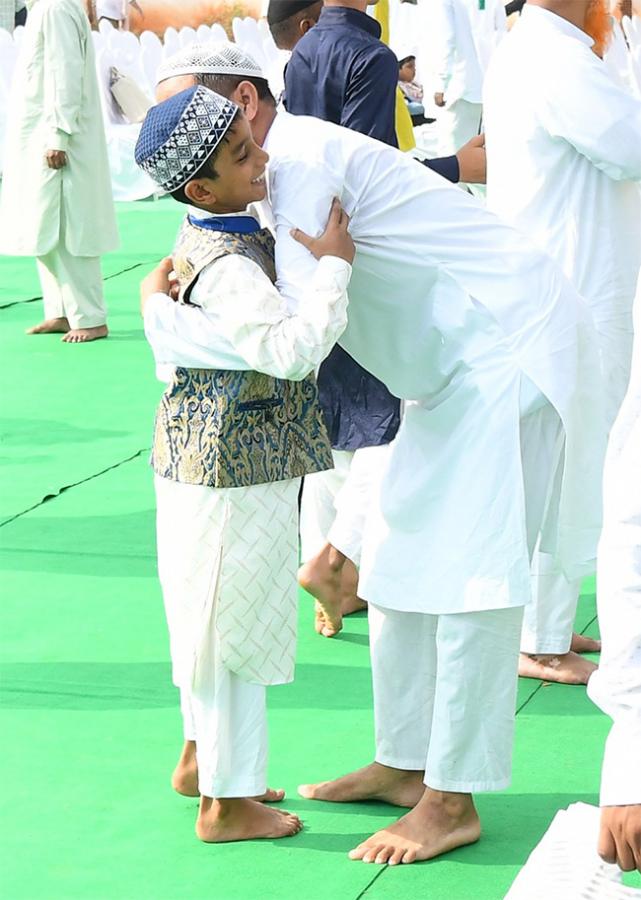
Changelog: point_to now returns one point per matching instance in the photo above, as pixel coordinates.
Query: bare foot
(84, 335)
(374, 782)
(439, 823)
(185, 777)
(567, 668)
(350, 601)
(321, 577)
(583, 644)
(242, 819)
(51, 326)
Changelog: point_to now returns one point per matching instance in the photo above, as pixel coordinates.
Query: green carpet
(89, 716)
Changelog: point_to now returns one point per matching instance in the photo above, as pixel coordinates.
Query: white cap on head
(224, 58)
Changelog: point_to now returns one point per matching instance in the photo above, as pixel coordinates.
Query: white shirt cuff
(332, 271)
(621, 775)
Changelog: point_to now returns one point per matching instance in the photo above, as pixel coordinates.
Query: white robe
(56, 106)
(616, 685)
(564, 161)
(448, 307)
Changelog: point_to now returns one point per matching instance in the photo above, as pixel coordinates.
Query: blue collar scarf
(228, 224)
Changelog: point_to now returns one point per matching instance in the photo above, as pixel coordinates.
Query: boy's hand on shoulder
(334, 241)
(159, 281)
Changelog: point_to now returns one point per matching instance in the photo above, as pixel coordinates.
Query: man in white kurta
(484, 337)
(616, 686)
(564, 163)
(56, 201)
(463, 36)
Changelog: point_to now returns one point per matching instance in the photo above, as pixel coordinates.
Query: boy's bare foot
(353, 604)
(374, 782)
(566, 668)
(51, 326)
(185, 777)
(84, 335)
(439, 823)
(321, 577)
(583, 644)
(242, 819)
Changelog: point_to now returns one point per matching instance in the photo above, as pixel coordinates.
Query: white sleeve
(242, 322)
(590, 111)
(64, 62)
(444, 43)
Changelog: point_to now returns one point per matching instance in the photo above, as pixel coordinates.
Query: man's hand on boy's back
(334, 241)
(159, 281)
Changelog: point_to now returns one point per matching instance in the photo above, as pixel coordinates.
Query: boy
(230, 446)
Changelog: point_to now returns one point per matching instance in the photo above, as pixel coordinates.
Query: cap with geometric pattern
(223, 58)
(179, 135)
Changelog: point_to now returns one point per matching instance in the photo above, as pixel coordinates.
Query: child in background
(412, 90)
(230, 447)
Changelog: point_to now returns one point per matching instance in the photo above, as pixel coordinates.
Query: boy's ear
(246, 96)
(199, 192)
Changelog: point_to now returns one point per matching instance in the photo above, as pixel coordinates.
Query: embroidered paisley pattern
(225, 428)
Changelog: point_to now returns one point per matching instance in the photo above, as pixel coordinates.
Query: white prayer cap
(223, 58)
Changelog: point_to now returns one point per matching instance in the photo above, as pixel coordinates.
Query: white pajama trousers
(335, 503)
(445, 695)
(72, 287)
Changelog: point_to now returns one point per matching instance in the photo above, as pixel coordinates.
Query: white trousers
(72, 287)
(335, 503)
(229, 726)
(445, 695)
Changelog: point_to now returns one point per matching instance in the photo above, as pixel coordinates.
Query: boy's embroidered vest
(224, 428)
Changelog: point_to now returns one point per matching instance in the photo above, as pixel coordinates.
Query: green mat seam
(368, 886)
(68, 487)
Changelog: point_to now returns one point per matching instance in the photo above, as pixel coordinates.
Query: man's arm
(445, 47)
(64, 62)
(602, 121)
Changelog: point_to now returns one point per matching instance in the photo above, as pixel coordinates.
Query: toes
(358, 852)
(383, 856)
(371, 853)
(308, 791)
(409, 856)
(396, 857)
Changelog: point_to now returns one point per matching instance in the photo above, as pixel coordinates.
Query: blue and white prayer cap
(222, 58)
(179, 135)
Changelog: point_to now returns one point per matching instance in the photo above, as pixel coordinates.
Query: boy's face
(408, 70)
(241, 174)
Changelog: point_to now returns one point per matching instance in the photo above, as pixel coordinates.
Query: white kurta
(56, 106)
(564, 161)
(448, 307)
(229, 577)
(616, 685)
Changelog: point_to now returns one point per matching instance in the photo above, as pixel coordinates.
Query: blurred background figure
(56, 201)
(12, 13)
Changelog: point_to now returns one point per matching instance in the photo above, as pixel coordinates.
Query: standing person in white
(461, 43)
(56, 201)
(616, 686)
(564, 160)
(481, 333)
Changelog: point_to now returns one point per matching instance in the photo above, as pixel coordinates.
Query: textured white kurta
(228, 557)
(56, 106)
(448, 307)
(564, 162)
(616, 685)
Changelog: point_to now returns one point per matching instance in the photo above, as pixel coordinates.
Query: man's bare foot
(185, 777)
(350, 601)
(566, 668)
(242, 819)
(84, 335)
(374, 782)
(439, 823)
(581, 643)
(321, 577)
(51, 326)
